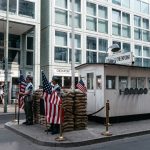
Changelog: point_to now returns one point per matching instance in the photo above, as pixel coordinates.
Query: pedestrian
(54, 128)
(28, 101)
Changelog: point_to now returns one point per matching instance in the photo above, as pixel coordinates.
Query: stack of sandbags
(67, 103)
(80, 105)
(37, 95)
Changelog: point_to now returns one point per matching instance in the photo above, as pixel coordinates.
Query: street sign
(121, 58)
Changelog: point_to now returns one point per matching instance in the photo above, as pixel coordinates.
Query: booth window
(90, 77)
(98, 82)
(110, 82)
(137, 82)
(141, 82)
(123, 83)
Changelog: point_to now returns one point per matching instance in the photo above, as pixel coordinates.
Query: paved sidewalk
(10, 109)
(91, 135)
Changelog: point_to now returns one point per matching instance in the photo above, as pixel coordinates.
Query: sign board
(63, 72)
(121, 58)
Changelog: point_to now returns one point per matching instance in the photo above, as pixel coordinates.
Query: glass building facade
(97, 25)
(22, 40)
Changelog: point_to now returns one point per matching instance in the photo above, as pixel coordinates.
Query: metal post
(107, 133)
(6, 60)
(60, 138)
(15, 119)
(73, 49)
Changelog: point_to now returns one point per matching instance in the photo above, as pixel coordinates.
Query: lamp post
(6, 59)
(73, 49)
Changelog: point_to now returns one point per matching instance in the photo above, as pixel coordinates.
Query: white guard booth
(126, 87)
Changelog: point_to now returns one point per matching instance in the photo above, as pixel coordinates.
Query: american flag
(52, 102)
(22, 86)
(54, 113)
(47, 90)
(81, 86)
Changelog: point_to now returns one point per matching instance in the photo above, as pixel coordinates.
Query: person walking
(28, 101)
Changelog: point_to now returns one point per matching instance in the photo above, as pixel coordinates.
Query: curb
(9, 113)
(81, 143)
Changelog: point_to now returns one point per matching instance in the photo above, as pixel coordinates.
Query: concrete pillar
(36, 59)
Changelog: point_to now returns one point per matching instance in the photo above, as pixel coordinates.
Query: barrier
(107, 133)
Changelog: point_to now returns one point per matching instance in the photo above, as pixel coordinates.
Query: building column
(23, 54)
(36, 59)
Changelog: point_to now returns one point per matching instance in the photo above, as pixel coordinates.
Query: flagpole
(6, 60)
(73, 49)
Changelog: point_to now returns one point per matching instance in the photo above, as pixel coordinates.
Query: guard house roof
(109, 64)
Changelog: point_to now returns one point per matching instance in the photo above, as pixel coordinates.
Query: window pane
(137, 21)
(116, 15)
(103, 26)
(116, 29)
(91, 43)
(26, 8)
(102, 12)
(77, 56)
(1, 39)
(146, 51)
(126, 47)
(1, 54)
(61, 3)
(137, 34)
(29, 59)
(103, 45)
(137, 5)
(141, 82)
(101, 57)
(126, 3)
(12, 5)
(30, 43)
(14, 56)
(117, 2)
(14, 41)
(110, 82)
(61, 54)
(123, 83)
(91, 23)
(145, 23)
(91, 9)
(77, 5)
(77, 41)
(144, 8)
(61, 17)
(61, 38)
(133, 82)
(125, 18)
(90, 78)
(146, 62)
(138, 62)
(3, 5)
(67, 82)
(77, 20)
(91, 57)
(145, 35)
(126, 31)
(138, 50)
